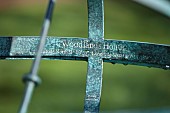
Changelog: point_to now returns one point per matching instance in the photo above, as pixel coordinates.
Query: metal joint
(29, 77)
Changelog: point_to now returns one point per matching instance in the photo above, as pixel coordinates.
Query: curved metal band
(114, 51)
(95, 62)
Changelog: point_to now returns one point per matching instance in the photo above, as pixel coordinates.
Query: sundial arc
(77, 48)
(94, 49)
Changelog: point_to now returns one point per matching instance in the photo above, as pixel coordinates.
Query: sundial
(94, 49)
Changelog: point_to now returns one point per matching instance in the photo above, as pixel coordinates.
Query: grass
(63, 87)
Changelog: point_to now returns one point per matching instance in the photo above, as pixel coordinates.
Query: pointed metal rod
(31, 79)
(162, 6)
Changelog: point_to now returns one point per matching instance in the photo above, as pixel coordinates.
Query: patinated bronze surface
(94, 49)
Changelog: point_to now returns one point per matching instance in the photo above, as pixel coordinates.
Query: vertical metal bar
(32, 78)
(95, 63)
(96, 20)
(93, 85)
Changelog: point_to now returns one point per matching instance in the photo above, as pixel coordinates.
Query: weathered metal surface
(95, 62)
(93, 49)
(5, 46)
(114, 51)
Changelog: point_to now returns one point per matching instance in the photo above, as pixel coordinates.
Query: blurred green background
(63, 86)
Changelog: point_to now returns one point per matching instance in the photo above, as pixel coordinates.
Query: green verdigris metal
(93, 49)
(62, 48)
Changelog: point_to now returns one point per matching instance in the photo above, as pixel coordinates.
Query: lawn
(63, 86)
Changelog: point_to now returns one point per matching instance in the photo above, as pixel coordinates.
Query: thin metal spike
(32, 78)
